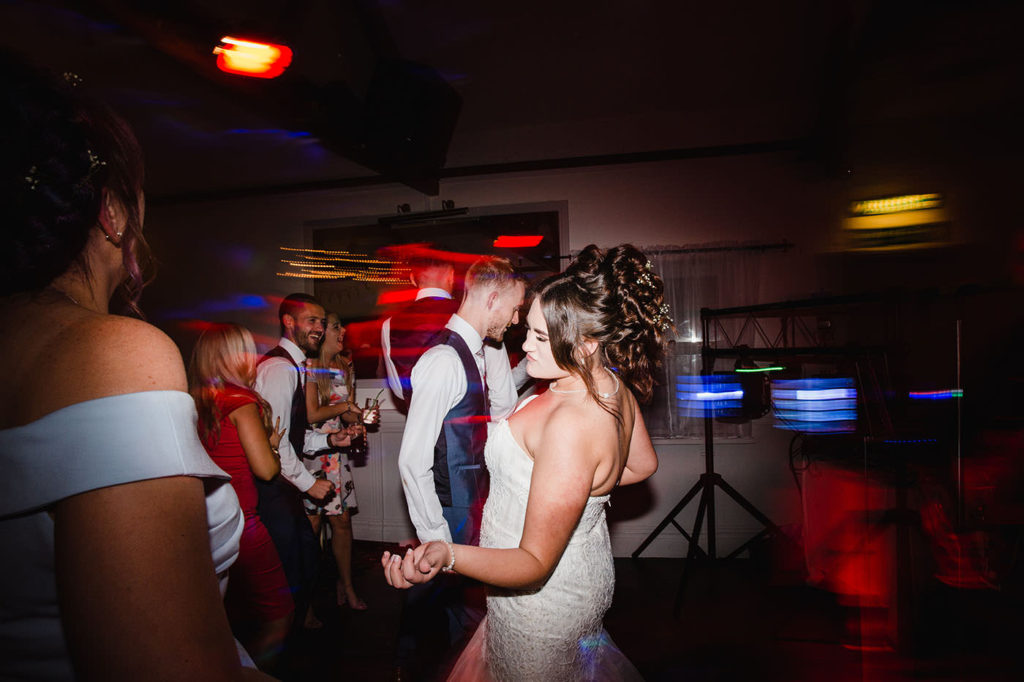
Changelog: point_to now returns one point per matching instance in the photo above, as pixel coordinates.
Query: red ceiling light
(250, 58)
(518, 241)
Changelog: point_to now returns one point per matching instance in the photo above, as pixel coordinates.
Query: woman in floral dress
(331, 406)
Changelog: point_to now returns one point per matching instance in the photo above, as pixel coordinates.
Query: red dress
(257, 587)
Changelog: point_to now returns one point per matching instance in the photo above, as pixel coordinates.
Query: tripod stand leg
(745, 503)
(739, 550)
(670, 518)
(691, 553)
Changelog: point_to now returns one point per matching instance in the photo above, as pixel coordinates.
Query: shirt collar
(293, 350)
(466, 331)
(432, 292)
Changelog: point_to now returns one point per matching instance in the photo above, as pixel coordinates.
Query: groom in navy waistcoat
(458, 385)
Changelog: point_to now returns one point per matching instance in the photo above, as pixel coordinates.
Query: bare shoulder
(116, 355)
(580, 426)
(56, 356)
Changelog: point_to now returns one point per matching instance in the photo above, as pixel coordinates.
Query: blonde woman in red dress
(234, 425)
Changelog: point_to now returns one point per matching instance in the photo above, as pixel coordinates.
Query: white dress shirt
(519, 374)
(439, 383)
(394, 380)
(276, 380)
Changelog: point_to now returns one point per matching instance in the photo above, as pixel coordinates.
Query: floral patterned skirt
(332, 465)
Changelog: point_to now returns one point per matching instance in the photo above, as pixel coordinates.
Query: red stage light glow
(250, 58)
(399, 296)
(518, 241)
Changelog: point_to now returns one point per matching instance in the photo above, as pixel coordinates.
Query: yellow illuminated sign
(897, 223)
(900, 204)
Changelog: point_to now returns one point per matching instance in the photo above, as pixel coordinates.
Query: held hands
(419, 565)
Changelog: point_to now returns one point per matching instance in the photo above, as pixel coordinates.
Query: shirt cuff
(303, 481)
(316, 441)
(431, 535)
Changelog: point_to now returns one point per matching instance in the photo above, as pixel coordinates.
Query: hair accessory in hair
(649, 265)
(646, 280)
(663, 319)
(32, 179)
(94, 161)
(72, 78)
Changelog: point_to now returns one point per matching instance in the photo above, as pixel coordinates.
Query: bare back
(608, 442)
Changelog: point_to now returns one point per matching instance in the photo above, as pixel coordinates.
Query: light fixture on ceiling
(251, 58)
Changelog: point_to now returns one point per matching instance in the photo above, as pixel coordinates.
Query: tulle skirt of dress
(603, 661)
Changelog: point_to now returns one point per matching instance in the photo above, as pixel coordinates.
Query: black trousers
(280, 508)
(439, 617)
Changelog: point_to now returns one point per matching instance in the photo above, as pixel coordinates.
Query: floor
(739, 620)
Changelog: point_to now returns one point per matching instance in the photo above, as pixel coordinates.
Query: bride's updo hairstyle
(615, 299)
(62, 153)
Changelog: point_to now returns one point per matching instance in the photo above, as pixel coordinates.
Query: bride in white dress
(596, 331)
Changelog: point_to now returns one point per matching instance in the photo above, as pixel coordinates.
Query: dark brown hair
(292, 306)
(612, 298)
(63, 152)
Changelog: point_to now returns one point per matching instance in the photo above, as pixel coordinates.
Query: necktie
(482, 365)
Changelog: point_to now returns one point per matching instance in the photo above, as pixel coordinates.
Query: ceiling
(397, 90)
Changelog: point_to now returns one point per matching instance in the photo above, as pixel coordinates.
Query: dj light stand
(705, 485)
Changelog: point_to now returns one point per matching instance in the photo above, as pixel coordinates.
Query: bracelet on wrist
(450, 568)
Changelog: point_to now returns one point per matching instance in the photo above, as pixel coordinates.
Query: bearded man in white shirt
(456, 387)
(280, 379)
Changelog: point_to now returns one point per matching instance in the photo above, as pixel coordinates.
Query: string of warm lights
(325, 265)
(361, 257)
(295, 263)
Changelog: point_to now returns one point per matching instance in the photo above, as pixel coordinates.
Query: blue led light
(815, 405)
(224, 305)
(713, 395)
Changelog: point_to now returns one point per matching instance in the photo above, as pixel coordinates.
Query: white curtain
(706, 276)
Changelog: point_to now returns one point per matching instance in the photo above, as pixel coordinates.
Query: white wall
(214, 250)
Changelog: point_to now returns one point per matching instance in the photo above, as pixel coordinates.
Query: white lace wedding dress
(555, 632)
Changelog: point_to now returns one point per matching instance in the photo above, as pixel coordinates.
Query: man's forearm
(293, 470)
(425, 509)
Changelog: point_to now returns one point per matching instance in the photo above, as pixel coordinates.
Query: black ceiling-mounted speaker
(408, 120)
